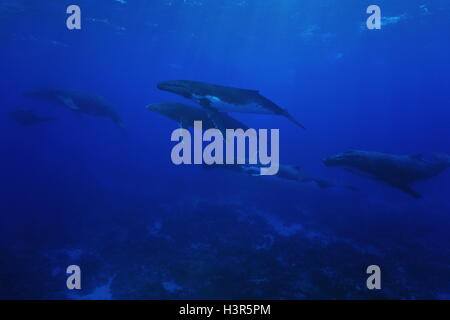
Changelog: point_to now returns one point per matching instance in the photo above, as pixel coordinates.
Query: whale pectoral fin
(213, 114)
(68, 102)
(362, 173)
(251, 171)
(322, 184)
(205, 103)
(216, 119)
(408, 190)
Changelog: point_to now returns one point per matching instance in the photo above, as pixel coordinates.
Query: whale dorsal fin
(68, 102)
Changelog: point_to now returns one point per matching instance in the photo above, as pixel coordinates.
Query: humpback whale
(286, 172)
(226, 99)
(185, 115)
(296, 173)
(395, 170)
(76, 101)
(27, 117)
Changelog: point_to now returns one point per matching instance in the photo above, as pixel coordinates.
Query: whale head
(183, 88)
(156, 107)
(349, 158)
(169, 108)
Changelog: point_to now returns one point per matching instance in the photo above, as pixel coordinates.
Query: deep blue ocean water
(78, 190)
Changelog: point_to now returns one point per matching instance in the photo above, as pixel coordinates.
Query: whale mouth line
(169, 86)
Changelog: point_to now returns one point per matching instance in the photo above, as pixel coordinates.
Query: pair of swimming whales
(216, 101)
(216, 98)
(395, 170)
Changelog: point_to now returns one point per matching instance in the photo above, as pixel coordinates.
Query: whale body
(397, 171)
(27, 117)
(185, 115)
(76, 101)
(225, 99)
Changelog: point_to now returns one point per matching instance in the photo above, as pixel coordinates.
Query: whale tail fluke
(287, 115)
(324, 184)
